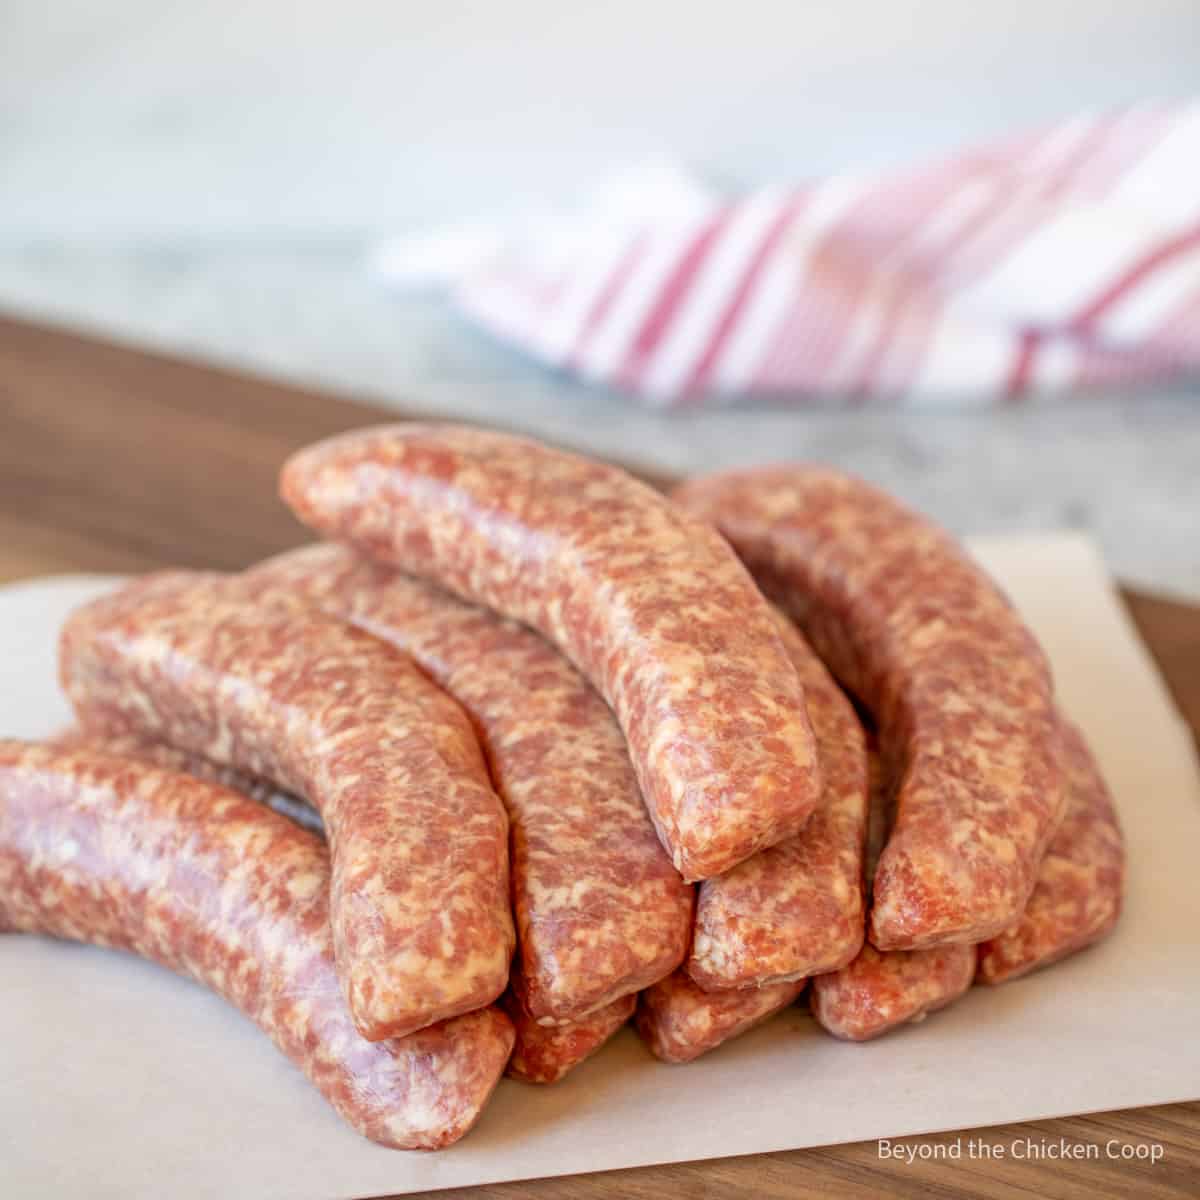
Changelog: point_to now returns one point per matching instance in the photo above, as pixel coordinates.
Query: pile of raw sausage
(525, 750)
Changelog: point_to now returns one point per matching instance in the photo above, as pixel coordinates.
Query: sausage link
(880, 990)
(796, 909)
(171, 758)
(679, 1021)
(103, 849)
(1077, 900)
(421, 921)
(600, 910)
(651, 605)
(957, 686)
(877, 990)
(544, 1054)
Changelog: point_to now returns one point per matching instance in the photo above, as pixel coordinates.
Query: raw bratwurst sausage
(650, 604)
(679, 1022)
(107, 850)
(796, 909)
(880, 990)
(544, 1054)
(600, 910)
(171, 758)
(1079, 890)
(422, 928)
(958, 688)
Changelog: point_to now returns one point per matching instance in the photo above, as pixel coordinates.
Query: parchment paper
(119, 1080)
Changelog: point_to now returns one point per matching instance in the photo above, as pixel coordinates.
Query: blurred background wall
(209, 178)
(144, 119)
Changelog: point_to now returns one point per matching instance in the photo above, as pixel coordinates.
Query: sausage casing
(880, 990)
(418, 840)
(957, 686)
(103, 849)
(796, 909)
(679, 1021)
(171, 758)
(546, 1053)
(1077, 899)
(600, 910)
(651, 605)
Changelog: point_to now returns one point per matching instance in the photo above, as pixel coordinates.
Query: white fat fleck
(422, 1113)
(304, 887)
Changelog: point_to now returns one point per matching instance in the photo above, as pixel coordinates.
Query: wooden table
(116, 460)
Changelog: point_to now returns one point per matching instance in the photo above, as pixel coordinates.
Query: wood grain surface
(116, 460)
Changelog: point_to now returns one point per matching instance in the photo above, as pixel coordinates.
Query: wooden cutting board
(116, 460)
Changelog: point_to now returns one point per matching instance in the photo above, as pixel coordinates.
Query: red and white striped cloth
(1060, 260)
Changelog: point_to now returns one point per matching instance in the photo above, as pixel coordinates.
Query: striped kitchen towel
(1060, 260)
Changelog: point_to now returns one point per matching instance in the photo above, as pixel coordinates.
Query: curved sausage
(880, 990)
(679, 1022)
(1077, 900)
(796, 909)
(600, 910)
(102, 849)
(422, 927)
(544, 1054)
(957, 686)
(648, 603)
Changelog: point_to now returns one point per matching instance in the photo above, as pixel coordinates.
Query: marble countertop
(1125, 468)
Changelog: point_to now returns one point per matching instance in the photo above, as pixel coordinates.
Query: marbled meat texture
(109, 850)
(171, 758)
(650, 604)
(1077, 899)
(600, 910)
(419, 841)
(796, 909)
(679, 1021)
(880, 990)
(957, 686)
(544, 1054)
